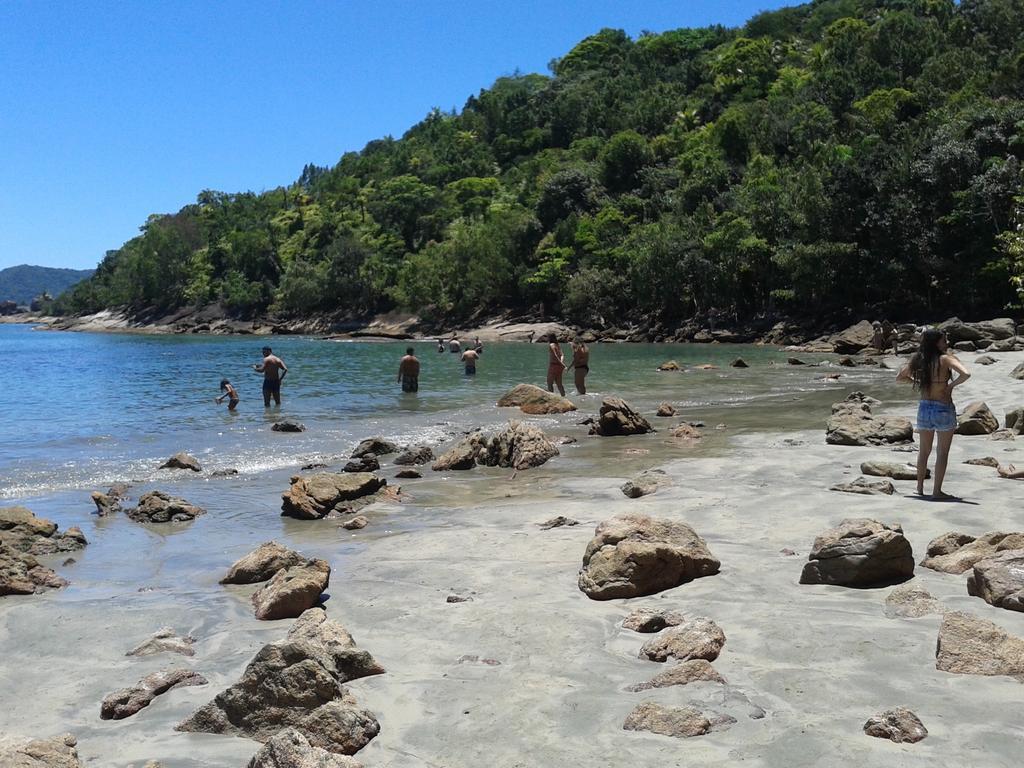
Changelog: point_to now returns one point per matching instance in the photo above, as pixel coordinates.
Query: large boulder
(968, 645)
(532, 399)
(297, 682)
(21, 530)
(312, 497)
(160, 507)
(899, 725)
(853, 339)
(127, 701)
(22, 574)
(377, 446)
(999, 580)
(977, 419)
(859, 553)
(632, 555)
(58, 752)
(1018, 372)
(290, 749)
(1015, 421)
(957, 330)
(292, 591)
(182, 460)
(262, 563)
(852, 423)
(417, 454)
(997, 329)
(517, 446)
(694, 638)
(617, 417)
(956, 552)
(460, 456)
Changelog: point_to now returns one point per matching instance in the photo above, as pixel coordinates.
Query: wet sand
(818, 660)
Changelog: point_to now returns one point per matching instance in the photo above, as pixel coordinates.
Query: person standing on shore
(409, 371)
(556, 365)
(469, 358)
(931, 371)
(274, 370)
(580, 365)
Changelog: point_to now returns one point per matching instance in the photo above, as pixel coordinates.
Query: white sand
(819, 660)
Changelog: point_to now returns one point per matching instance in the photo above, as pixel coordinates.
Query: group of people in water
(273, 369)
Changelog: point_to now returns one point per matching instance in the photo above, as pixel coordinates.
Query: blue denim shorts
(936, 416)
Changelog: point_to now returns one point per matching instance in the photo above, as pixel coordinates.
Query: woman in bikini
(556, 365)
(580, 365)
(931, 371)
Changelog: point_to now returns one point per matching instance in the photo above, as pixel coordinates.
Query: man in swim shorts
(274, 370)
(409, 371)
(469, 358)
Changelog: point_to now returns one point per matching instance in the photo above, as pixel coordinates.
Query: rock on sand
(160, 507)
(899, 725)
(859, 552)
(315, 496)
(956, 552)
(290, 749)
(126, 702)
(292, 590)
(968, 645)
(999, 580)
(617, 417)
(21, 530)
(534, 400)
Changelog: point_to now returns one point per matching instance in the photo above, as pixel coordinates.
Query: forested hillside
(23, 283)
(839, 154)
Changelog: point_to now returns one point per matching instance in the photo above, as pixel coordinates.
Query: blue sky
(111, 111)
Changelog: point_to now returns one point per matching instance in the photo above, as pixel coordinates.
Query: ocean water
(85, 410)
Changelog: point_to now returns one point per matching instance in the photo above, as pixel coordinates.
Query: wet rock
(985, 360)
(633, 555)
(865, 487)
(461, 456)
(106, 504)
(58, 752)
(292, 591)
(418, 454)
(288, 425)
(956, 552)
(859, 552)
(290, 749)
(408, 474)
(377, 446)
(297, 682)
(160, 507)
(977, 419)
(126, 702)
(690, 671)
(681, 722)
(652, 620)
(366, 463)
(312, 497)
(999, 580)
(645, 483)
(687, 432)
(516, 446)
(21, 530)
(229, 472)
(617, 417)
(888, 469)
(852, 423)
(557, 522)
(739, 362)
(164, 640)
(694, 638)
(1018, 372)
(846, 362)
(262, 563)
(22, 574)
(182, 460)
(355, 523)
(532, 399)
(313, 465)
(1014, 421)
(984, 461)
(666, 410)
(795, 361)
(671, 365)
(911, 601)
(968, 645)
(899, 725)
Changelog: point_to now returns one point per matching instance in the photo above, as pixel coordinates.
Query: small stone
(375, 446)
(671, 365)
(696, 638)
(899, 725)
(357, 522)
(288, 425)
(984, 461)
(866, 487)
(684, 673)
(647, 620)
(911, 601)
(739, 362)
(666, 410)
(458, 599)
(557, 522)
(681, 722)
(409, 474)
(182, 460)
(165, 640)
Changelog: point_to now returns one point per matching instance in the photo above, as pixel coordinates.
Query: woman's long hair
(924, 365)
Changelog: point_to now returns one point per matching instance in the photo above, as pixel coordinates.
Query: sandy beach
(529, 671)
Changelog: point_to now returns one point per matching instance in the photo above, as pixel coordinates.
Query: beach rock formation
(899, 725)
(164, 640)
(681, 722)
(356, 523)
(977, 419)
(516, 446)
(298, 682)
(684, 673)
(687, 432)
(739, 362)
(262, 563)
(889, 469)
(290, 749)
(859, 552)
(645, 483)
(160, 507)
(312, 497)
(852, 423)
(459, 457)
(670, 365)
(633, 555)
(408, 474)
(666, 410)
(652, 620)
(367, 463)
(127, 701)
(968, 645)
(617, 417)
(865, 487)
(1018, 372)
(853, 339)
(21, 530)
(377, 446)
(107, 503)
(999, 580)
(288, 425)
(182, 460)
(694, 638)
(956, 552)
(22, 574)
(292, 590)
(1014, 421)
(911, 601)
(58, 752)
(534, 400)
(418, 454)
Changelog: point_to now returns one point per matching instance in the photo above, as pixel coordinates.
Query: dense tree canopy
(841, 153)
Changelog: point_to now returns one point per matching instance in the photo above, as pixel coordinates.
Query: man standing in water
(469, 358)
(409, 371)
(274, 370)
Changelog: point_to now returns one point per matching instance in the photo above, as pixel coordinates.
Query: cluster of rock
(290, 749)
(517, 446)
(998, 335)
(859, 552)
(160, 507)
(957, 552)
(312, 497)
(293, 585)
(617, 417)
(22, 537)
(112, 501)
(298, 682)
(853, 423)
(58, 752)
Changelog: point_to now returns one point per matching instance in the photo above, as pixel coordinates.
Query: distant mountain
(24, 282)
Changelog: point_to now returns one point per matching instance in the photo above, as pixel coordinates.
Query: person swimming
(409, 371)
(230, 393)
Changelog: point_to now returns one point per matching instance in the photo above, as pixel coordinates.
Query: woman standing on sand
(580, 365)
(931, 371)
(556, 365)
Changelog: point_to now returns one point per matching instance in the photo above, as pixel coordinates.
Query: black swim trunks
(410, 384)
(271, 386)
(470, 370)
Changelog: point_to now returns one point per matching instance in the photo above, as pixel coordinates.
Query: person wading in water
(274, 370)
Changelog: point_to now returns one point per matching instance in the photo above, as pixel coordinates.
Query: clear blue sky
(110, 111)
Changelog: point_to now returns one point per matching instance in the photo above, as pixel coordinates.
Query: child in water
(230, 393)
